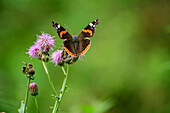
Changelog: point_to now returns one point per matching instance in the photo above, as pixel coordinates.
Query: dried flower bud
(30, 66)
(31, 71)
(24, 69)
(33, 89)
(28, 69)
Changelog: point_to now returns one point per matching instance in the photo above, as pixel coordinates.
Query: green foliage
(98, 107)
(128, 62)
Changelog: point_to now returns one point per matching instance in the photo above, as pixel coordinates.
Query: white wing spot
(58, 26)
(91, 24)
(94, 26)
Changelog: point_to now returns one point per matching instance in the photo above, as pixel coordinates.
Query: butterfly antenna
(68, 28)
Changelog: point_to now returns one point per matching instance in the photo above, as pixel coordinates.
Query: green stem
(63, 89)
(46, 70)
(26, 95)
(55, 106)
(37, 104)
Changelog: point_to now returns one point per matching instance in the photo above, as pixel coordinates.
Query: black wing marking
(62, 33)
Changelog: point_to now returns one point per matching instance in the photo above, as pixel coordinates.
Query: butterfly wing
(63, 34)
(88, 31)
(70, 47)
(84, 45)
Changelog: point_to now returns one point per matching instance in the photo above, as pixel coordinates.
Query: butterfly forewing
(89, 30)
(62, 33)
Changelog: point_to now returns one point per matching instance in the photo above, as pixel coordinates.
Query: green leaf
(21, 109)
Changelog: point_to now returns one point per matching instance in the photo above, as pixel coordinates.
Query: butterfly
(76, 45)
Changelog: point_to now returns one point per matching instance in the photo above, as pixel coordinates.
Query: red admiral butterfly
(77, 45)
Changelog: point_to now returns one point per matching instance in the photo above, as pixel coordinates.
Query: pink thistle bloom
(33, 51)
(45, 42)
(56, 57)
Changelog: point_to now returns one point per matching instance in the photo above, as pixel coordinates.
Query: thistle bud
(33, 89)
(30, 66)
(45, 57)
(24, 69)
(31, 70)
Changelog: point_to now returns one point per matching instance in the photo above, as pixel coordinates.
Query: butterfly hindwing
(62, 33)
(70, 48)
(84, 45)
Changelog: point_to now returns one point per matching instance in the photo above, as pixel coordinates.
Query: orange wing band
(87, 31)
(72, 54)
(85, 50)
(63, 32)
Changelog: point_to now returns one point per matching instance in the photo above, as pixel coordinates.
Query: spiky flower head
(33, 89)
(33, 51)
(41, 47)
(45, 42)
(56, 57)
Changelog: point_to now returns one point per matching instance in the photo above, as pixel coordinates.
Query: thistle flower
(33, 51)
(42, 47)
(45, 42)
(56, 57)
(33, 89)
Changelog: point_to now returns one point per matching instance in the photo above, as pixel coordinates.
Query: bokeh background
(126, 70)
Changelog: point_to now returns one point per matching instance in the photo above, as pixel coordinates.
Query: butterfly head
(74, 35)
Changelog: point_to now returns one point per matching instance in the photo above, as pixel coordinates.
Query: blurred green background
(126, 70)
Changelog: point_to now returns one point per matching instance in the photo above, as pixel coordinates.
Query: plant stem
(26, 95)
(63, 89)
(55, 106)
(48, 75)
(37, 104)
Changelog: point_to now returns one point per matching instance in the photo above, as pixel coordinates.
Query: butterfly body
(75, 41)
(76, 45)
(75, 38)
